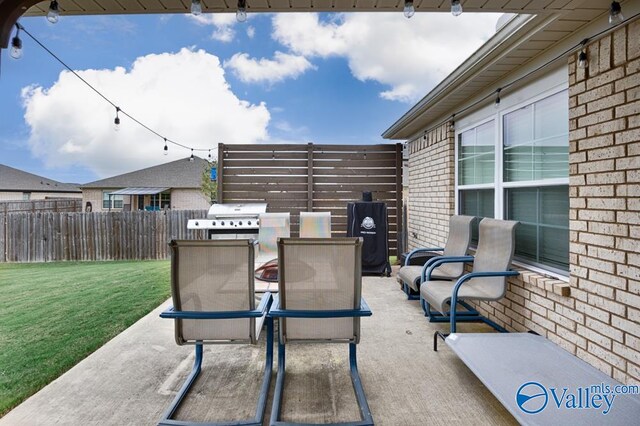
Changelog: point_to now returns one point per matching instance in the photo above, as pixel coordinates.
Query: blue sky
(322, 78)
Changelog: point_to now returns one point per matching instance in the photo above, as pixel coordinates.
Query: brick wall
(605, 208)
(431, 188)
(597, 315)
(189, 199)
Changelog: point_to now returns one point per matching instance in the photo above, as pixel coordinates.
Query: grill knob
(197, 223)
(249, 223)
(240, 223)
(213, 223)
(222, 223)
(231, 223)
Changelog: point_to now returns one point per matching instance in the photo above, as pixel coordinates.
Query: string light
(497, 104)
(116, 121)
(453, 122)
(615, 13)
(456, 8)
(54, 12)
(241, 13)
(166, 148)
(16, 44)
(192, 158)
(209, 156)
(196, 7)
(409, 10)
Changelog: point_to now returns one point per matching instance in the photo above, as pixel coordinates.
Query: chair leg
(195, 371)
(197, 366)
(365, 412)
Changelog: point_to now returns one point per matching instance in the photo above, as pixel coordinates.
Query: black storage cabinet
(368, 219)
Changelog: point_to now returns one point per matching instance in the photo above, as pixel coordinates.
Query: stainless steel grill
(231, 221)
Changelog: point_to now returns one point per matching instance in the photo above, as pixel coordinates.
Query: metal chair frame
(260, 311)
(277, 312)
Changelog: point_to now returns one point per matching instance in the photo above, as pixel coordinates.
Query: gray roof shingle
(17, 180)
(176, 174)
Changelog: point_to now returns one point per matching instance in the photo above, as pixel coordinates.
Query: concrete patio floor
(133, 378)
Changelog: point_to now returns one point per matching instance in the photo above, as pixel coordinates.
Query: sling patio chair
(486, 282)
(320, 301)
(411, 276)
(212, 288)
(315, 224)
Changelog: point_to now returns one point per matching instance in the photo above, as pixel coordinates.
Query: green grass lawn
(52, 315)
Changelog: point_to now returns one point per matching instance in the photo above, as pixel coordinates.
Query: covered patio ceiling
(12, 10)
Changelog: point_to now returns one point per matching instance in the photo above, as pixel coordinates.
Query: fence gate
(299, 178)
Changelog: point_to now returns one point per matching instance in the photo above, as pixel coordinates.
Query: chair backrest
(213, 276)
(457, 245)
(272, 226)
(496, 245)
(320, 274)
(315, 224)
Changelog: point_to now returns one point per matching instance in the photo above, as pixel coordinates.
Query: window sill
(540, 278)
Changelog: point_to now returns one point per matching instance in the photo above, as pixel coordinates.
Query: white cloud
(251, 32)
(282, 66)
(410, 56)
(223, 24)
(182, 95)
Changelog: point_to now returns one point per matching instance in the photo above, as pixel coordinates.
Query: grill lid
(217, 211)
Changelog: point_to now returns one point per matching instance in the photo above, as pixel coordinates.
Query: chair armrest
(420, 250)
(262, 309)
(463, 279)
(277, 312)
(428, 267)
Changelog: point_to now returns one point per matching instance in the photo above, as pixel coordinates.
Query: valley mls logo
(368, 223)
(532, 397)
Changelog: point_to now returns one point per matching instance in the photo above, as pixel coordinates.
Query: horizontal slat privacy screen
(309, 177)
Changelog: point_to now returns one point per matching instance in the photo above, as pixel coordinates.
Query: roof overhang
(138, 191)
(11, 10)
(523, 44)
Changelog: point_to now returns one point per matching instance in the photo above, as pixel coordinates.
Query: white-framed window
(26, 196)
(514, 164)
(117, 201)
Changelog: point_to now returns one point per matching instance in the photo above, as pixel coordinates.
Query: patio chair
(411, 276)
(212, 289)
(315, 224)
(487, 281)
(320, 301)
(272, 226)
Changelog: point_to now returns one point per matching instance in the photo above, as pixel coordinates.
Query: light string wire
(119, 109)
(500, 89)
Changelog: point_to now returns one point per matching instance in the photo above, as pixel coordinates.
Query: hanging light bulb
(409, 10)
(192, 158)
(196, 7)
(166, 148)
(453, 122)
(456, 8)
(116, 121)
(209, 156)
(241, 13)
(54, 12)
(583, 61)
(497, 104)
(16, 45)
(615, 13)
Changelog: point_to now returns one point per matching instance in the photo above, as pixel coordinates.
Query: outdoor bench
(540, 383)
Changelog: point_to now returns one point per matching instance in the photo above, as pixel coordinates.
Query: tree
(209, 187)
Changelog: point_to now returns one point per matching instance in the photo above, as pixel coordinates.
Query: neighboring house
(16, 185)
(175, 185)
(559, 152)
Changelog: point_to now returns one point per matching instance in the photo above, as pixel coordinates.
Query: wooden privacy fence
(51, 236)
(48, 205)
(308, 177)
